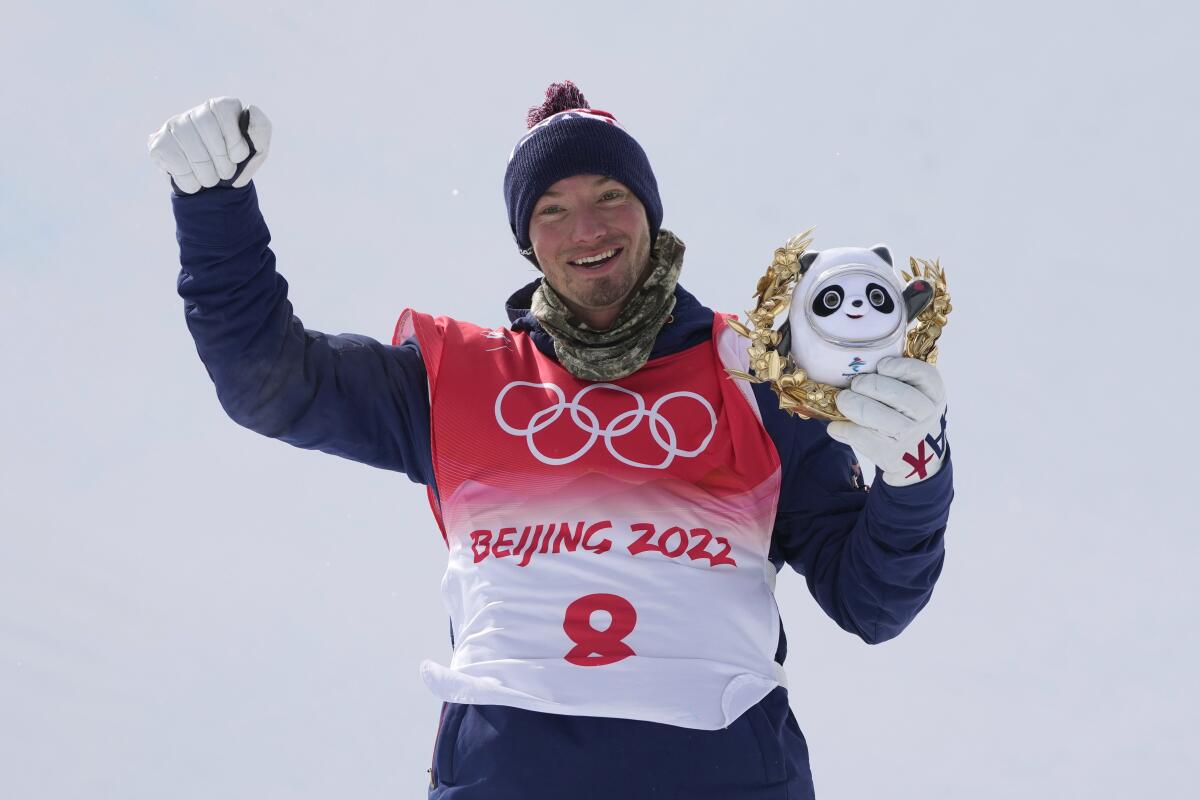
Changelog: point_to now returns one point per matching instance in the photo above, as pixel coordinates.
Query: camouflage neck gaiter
(622, 349)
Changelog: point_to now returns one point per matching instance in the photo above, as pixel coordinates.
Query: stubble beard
(608, 290)
(614, 289)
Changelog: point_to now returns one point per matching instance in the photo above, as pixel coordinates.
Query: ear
(784, 347)
(917, 296)
(806, 260)
(882, 251)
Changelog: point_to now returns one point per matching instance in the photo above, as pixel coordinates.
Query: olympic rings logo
(620, 425)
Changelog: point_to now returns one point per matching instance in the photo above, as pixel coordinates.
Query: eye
(612, 194)
(547, 211)
(828, 300)
(880, 298)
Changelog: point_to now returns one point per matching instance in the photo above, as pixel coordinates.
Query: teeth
(595, 258)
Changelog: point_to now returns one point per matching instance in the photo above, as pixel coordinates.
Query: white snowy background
(188, 610)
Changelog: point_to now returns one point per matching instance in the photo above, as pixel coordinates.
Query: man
(615, 507)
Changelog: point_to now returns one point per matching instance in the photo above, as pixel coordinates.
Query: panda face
(833, 295)
(854, 304)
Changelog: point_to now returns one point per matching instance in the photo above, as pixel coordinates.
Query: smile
(855, 316)
(597, 260)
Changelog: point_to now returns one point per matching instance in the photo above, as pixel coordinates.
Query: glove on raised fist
(215, 143)
(898, 419)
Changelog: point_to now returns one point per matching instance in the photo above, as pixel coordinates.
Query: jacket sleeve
(347, 395)
(870, 558)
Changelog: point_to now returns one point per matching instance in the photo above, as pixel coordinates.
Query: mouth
(855, 316)
(598, 260)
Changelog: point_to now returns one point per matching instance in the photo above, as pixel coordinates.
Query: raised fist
(216, 143)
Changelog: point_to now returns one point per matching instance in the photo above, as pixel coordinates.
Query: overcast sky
(188, 610)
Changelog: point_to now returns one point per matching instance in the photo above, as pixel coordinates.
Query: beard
(608, 290)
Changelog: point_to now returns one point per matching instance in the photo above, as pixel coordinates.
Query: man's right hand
(217, 142)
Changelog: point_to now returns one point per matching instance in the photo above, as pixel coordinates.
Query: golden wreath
(797, 394)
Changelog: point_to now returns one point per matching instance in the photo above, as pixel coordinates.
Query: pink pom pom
(559, 97)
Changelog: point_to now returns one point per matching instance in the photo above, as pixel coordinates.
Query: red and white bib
(608, 541)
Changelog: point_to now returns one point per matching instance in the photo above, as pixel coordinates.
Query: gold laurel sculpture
(798, 395)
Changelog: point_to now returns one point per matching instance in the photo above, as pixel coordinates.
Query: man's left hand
(897, 419)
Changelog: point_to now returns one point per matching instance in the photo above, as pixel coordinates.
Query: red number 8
(595, 648)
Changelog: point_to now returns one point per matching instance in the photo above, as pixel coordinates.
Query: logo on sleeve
(919, 460)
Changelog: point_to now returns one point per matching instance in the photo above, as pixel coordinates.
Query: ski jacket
(869, 558)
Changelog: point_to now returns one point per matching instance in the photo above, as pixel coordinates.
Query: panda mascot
(848, 310)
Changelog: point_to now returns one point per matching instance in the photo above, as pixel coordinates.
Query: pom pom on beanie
(563, 96)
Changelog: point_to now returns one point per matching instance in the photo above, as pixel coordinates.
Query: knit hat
(566, 138)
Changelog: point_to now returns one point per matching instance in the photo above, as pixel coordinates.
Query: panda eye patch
(828, 301)
(880, 299)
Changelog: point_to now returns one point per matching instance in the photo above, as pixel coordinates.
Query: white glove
(214, 143)
(898, 419)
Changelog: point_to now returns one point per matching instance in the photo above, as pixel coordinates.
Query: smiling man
(615, 508)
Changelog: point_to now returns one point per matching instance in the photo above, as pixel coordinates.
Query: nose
(589, 226)
(856, 303)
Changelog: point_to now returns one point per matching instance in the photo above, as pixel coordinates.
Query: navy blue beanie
(567, 138)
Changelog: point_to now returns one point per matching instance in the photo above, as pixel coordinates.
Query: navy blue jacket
(870, 558)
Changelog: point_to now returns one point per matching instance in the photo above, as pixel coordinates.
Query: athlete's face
(592, 241)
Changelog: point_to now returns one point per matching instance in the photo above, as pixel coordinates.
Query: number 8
(595, 648)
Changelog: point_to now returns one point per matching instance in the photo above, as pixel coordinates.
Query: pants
(503, 753)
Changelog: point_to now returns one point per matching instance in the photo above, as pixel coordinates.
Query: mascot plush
(849, 310)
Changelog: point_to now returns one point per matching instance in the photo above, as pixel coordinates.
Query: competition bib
(607, 541)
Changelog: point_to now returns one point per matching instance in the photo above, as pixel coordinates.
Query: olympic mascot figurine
(847, 308)
(848, 311)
